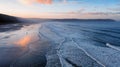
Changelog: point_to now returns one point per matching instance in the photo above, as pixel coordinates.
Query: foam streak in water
(88, 53)
(113, 47)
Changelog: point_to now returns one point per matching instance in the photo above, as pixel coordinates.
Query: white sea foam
(113, 47)
(89, 54)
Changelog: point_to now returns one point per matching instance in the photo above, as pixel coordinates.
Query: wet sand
(22, 46)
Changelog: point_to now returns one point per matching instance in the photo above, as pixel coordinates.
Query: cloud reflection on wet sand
(23, 42)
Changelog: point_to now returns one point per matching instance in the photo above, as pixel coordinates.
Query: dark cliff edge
(6, 19)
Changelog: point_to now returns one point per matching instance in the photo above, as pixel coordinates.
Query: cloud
(79, 11)
(90, 15)
(114, 9)
(48, 1)
(35, 1)
(102, 13)
(44, 1)
(26, 1)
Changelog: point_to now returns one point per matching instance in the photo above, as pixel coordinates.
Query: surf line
(87, 53)
(58, 52)
(113, 47)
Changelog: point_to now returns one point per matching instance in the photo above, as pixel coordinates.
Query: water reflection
(15, 45)
(23, 42)
(10, 27)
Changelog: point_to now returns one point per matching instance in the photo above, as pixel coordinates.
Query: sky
(78, 9)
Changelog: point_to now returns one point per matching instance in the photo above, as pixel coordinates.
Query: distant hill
(73, 20)
(6, 19)
(86, 20)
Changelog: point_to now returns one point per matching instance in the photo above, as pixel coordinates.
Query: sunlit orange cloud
(36, 1)
(28, 2)
(23, 42)
(44, 1)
